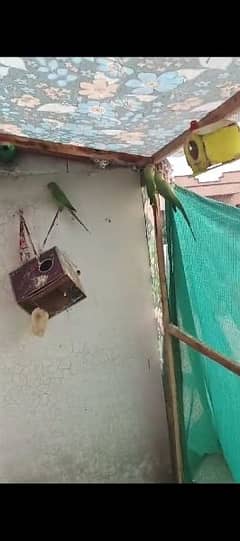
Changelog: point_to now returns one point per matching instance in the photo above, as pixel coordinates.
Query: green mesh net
(204, 291)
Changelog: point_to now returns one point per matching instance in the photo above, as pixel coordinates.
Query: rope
(24, 252)
(22, 219)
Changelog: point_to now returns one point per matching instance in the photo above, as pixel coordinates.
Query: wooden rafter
(231, 365)
(224, 110)
(62, 150)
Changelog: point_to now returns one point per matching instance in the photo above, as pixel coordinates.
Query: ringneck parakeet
(149, 176)
(166, 191)
(155, 184)
(63, 202)
(7, 152)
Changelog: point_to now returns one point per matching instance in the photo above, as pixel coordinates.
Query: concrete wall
(85, 402)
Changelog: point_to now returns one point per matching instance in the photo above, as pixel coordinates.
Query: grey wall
(85, 402)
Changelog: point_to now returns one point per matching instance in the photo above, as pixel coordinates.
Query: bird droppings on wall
(40, 281)
(102, 164)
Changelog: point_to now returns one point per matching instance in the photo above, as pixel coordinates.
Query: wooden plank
(171, 388)
(233, 366)
(224, 110)
(73, 151)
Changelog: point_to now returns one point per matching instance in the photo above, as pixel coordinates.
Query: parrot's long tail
(182, 210)
(78, 220)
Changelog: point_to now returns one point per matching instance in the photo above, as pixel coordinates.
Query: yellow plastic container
(204, 150)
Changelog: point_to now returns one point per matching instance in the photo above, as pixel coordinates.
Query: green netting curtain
(204, 288)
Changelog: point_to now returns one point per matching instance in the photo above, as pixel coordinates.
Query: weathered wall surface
(85, 402)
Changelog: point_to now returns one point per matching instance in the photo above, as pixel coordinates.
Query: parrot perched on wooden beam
(155, 184)
(149, 177)
(166, 191)
(63, 202)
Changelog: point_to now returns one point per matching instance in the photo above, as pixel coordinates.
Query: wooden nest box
(50, 283)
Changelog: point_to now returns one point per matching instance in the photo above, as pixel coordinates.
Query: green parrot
(63, 202)
(149, 177)
(166, 191)
(7, 152)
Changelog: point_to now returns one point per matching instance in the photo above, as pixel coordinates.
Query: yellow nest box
(212, 145)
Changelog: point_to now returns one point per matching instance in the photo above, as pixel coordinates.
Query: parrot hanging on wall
(155, 184)
(63, 202)
(149, 177)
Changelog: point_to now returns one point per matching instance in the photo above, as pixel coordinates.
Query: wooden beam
(73, 151)
(224, 110)
(171, 387)
(233, 366)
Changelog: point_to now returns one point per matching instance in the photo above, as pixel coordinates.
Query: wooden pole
(233, 366)
(171, 390)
